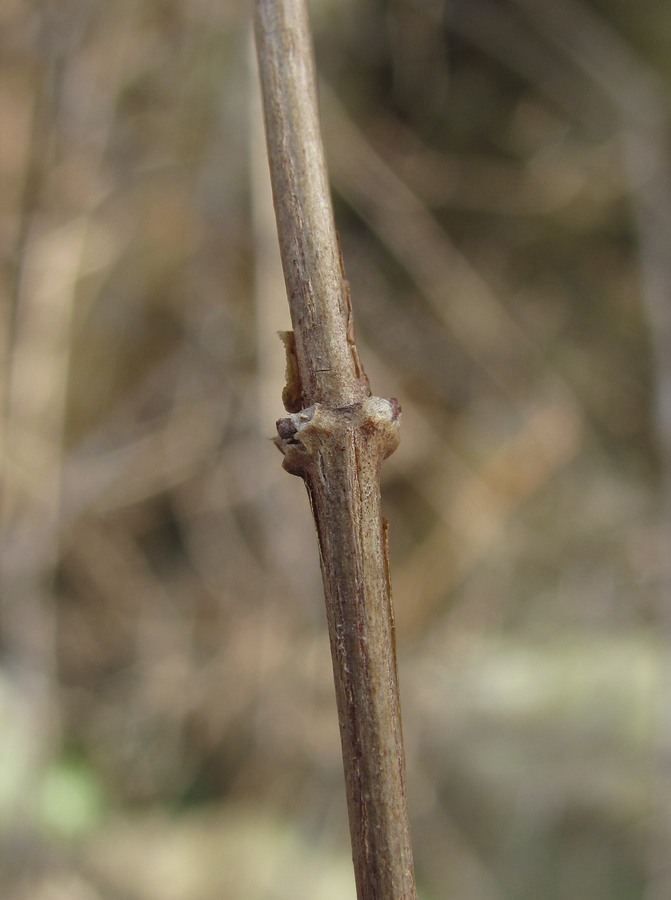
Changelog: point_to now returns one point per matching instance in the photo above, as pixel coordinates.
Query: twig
(336, 438)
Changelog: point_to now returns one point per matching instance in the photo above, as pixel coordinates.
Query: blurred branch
(640, 107)
(336, 440)
(476, 514)
(457, 293)
(37, 369)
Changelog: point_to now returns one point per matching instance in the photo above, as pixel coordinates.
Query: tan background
(501, 183)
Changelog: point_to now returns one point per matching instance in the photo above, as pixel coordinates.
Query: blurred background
(501, 180)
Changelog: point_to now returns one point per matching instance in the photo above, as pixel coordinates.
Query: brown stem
(317, 291)
(336, 438)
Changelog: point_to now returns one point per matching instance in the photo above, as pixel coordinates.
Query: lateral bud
(318, 431)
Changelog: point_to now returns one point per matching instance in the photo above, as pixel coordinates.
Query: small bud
(286, 429)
